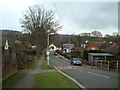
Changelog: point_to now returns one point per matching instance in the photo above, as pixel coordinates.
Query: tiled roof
(106, 45)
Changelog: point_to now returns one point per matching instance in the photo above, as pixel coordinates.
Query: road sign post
(48, 58)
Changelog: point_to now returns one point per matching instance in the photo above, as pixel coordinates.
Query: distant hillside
(64, 35)
(9, 35)
(6, 32)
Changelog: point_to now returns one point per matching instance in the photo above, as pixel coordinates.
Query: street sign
(47, 48)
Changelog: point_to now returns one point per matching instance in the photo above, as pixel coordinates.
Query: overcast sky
(75, 17)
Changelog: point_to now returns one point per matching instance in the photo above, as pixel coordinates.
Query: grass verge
(45, 66)
(52, 80)
(31, 65)
(12, 80)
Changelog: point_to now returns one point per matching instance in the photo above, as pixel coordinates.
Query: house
(106, 45)
(52, 47)
(97, 46)
(67, 47)
(91, 46)
(94, 46)
(100, 57)
(111, 48)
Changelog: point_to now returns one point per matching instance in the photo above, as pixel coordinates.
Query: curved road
(90, 78)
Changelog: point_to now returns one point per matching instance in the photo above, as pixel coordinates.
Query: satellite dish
(6, 45)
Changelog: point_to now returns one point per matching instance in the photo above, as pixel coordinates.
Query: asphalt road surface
(90, 78)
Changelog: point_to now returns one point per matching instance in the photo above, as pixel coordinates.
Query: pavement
(28, 80)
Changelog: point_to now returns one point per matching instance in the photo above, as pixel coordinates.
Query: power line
(58, 14)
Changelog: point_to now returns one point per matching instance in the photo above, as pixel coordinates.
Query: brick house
(110, 48)
(94, 46)
(90, 46)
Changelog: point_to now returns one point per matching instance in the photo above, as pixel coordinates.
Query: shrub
(85, 53)
(75, 54)
(30, 50)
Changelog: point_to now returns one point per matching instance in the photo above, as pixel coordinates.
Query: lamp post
(48, 50)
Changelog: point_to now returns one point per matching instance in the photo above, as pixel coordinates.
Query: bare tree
(96, 34)
(39, 22)
(107, 35)
(115, 33)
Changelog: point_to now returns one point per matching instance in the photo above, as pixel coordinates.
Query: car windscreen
(76, 59)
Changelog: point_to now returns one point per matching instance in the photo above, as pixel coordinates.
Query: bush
(30, 50)
(31, 58)
(75, 54)
(18, 47)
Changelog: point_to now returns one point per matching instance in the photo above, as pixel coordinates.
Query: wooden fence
(11, 62)
(108, 65)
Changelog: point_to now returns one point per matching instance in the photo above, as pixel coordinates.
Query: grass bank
(45, 66)
(12, 80)
(52, 80)
(31, 65)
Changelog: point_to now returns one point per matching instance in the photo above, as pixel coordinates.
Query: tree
(107, 35)
(85, 34)
(78, 40)
(39, 22)
(96, 34)
(115, 33)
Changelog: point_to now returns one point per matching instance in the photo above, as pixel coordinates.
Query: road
(90, 78)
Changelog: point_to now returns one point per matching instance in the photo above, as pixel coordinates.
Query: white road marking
(75, 81)
(98, 75)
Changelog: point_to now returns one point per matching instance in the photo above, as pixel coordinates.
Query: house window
(93, 48)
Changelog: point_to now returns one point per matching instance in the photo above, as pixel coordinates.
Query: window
(93, 48)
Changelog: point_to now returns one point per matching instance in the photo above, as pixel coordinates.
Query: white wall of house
(54, 47)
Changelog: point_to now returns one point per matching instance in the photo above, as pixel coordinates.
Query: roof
(68, 44)
(106, 45)
(86, 45)
(112, 50)
(100, 54)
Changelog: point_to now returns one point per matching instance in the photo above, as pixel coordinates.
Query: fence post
(101, 64)
(108, 65)
(91, 63)
(96, 64)
(117, 66)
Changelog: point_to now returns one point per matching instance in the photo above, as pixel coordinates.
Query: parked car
(67, 56)
(75, 61)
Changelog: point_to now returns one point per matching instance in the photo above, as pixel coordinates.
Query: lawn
(52, 80)
(45, 66)
(31, 65)
(12, 80)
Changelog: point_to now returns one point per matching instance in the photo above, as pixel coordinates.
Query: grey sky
(76, 17)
